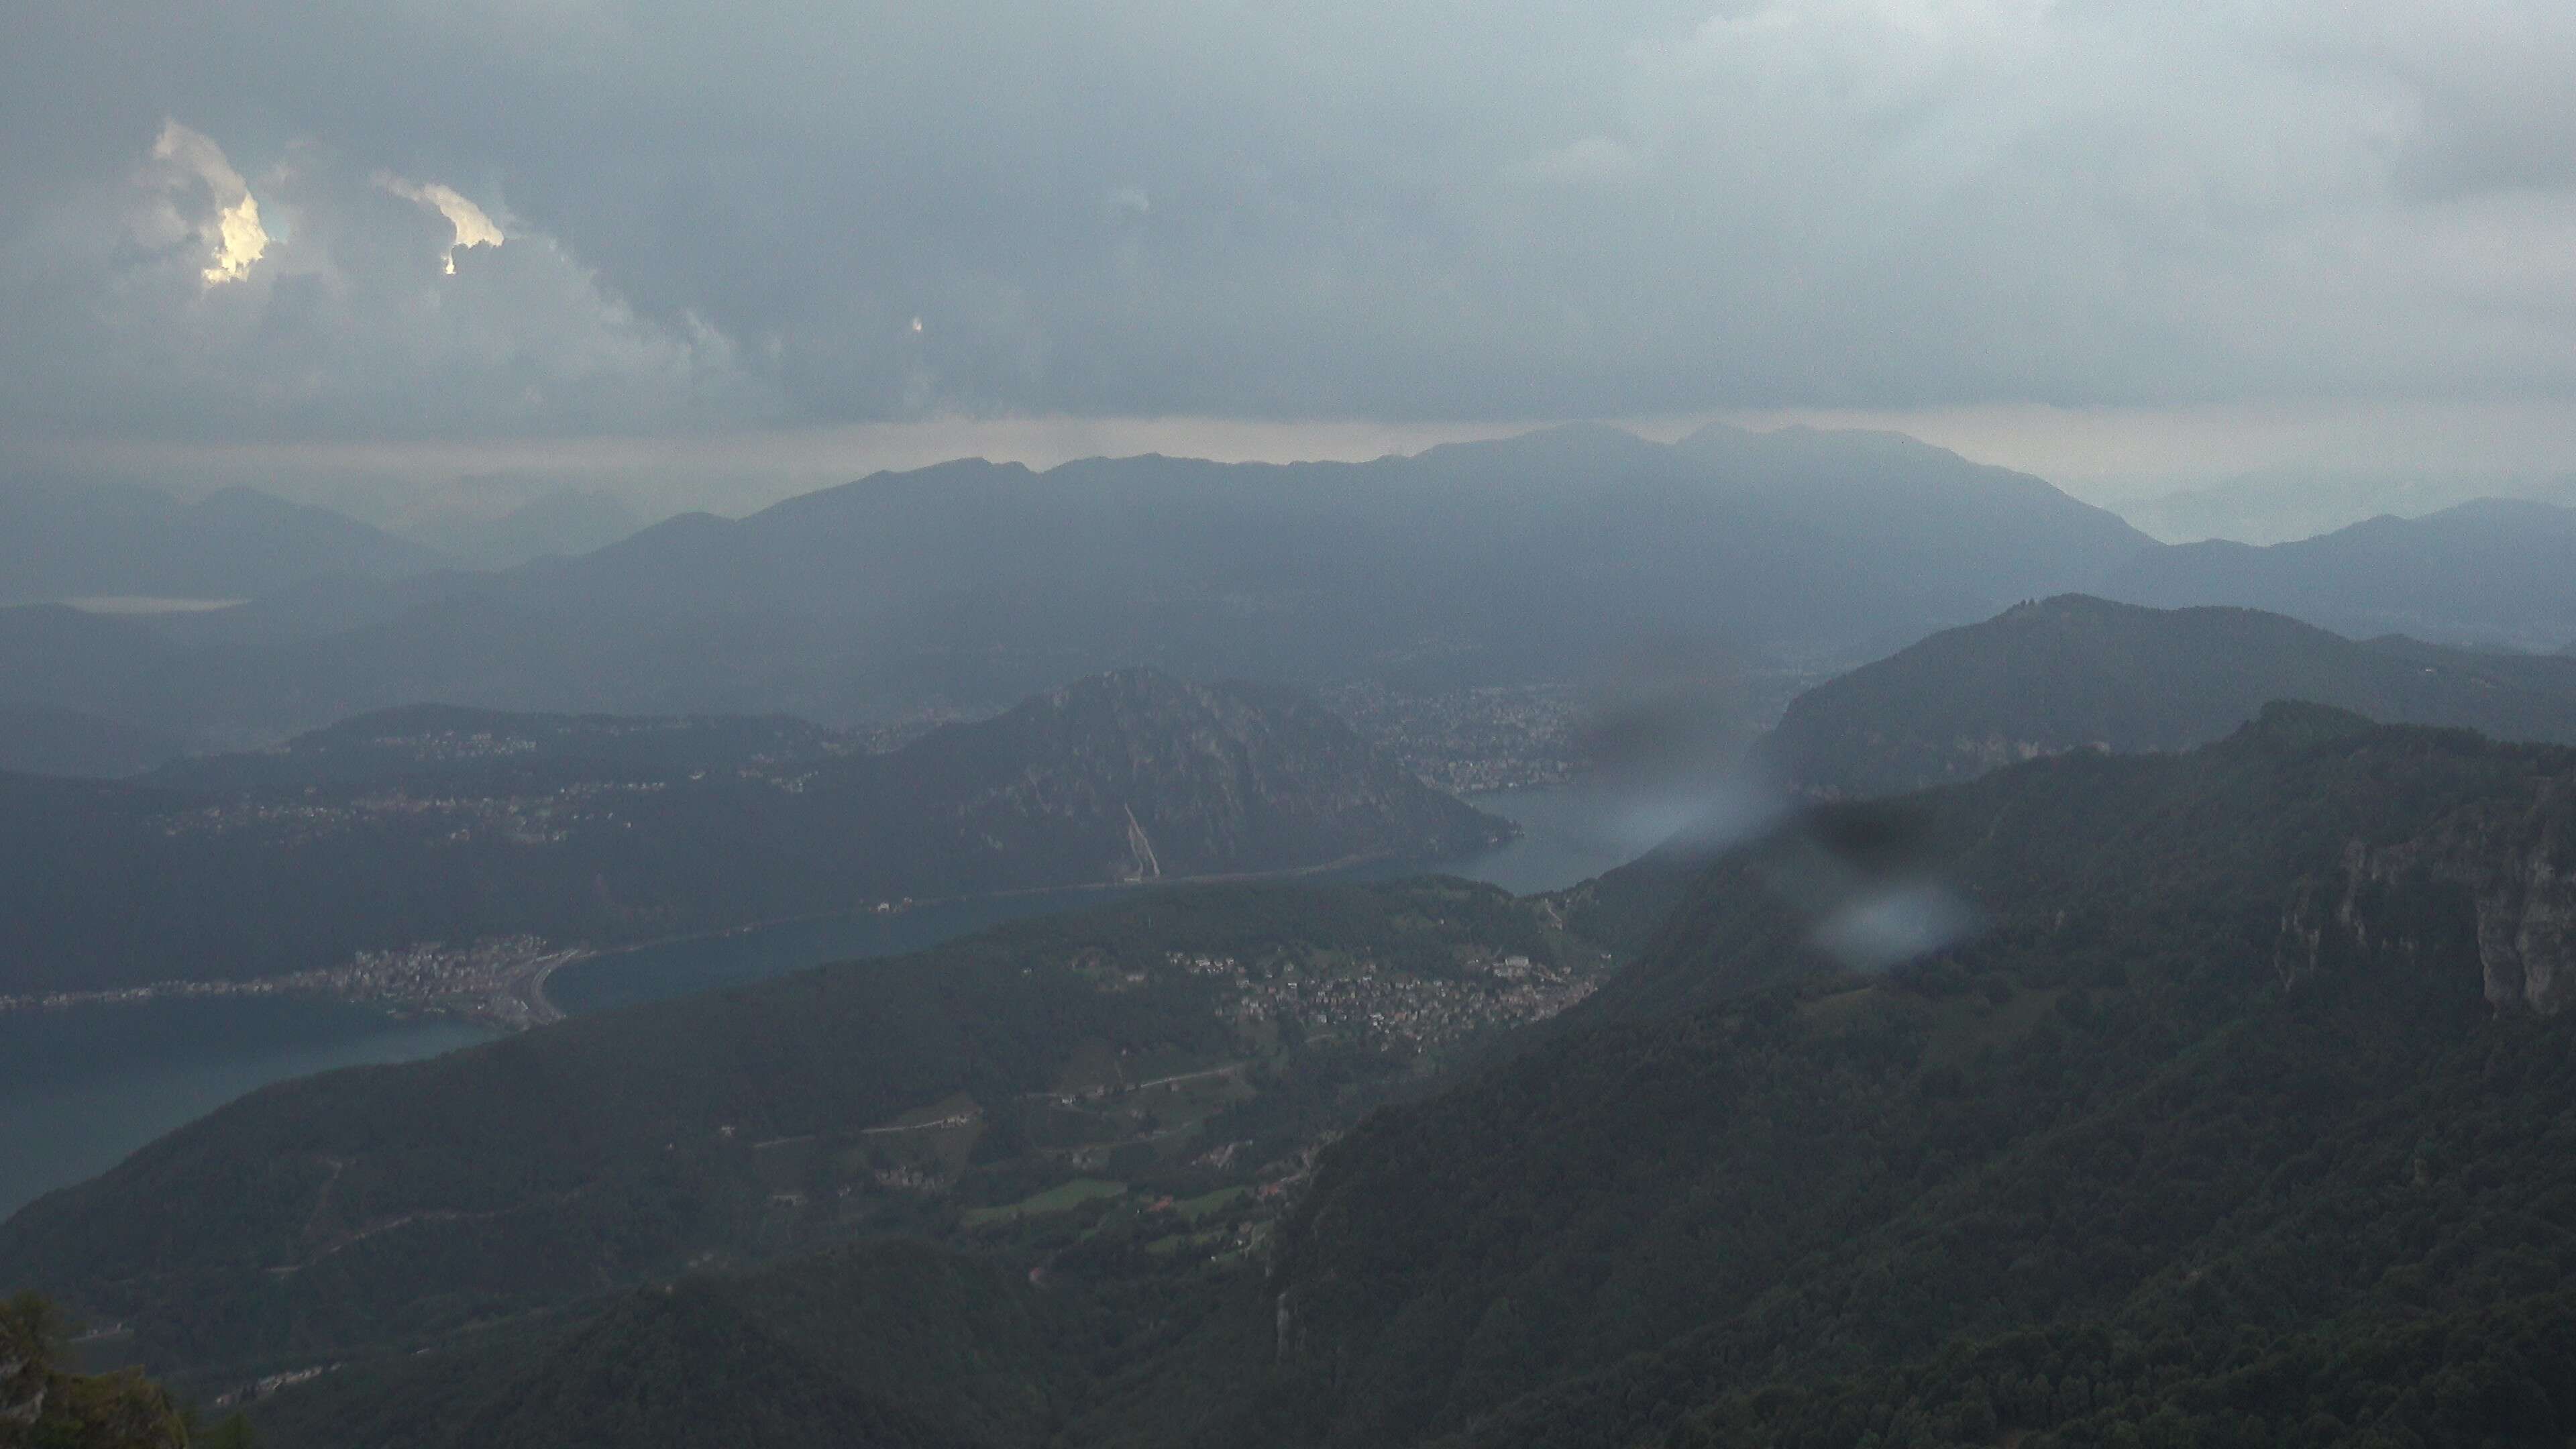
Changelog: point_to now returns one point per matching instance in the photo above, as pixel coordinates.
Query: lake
(80, 1089)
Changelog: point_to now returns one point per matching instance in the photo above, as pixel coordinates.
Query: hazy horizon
(631, 248)
(413, 488)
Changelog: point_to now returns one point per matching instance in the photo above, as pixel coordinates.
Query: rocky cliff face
(22, 1393)
(2503, 873)
(2527, 934)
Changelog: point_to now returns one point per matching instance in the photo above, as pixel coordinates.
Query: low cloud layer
(264, 221)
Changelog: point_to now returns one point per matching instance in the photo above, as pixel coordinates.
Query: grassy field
(1063, 1197)
(955, 1104)
(1199, 1207)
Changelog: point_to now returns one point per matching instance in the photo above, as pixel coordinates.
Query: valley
(1289, 1000)
(1709, 1176)
(73, 1113)
(1249, 1063)
(1777, 724)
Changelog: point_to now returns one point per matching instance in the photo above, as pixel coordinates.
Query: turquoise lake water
(81, 1089)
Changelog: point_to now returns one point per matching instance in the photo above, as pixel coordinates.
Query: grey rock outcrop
(2511, 869)
(2527, 934)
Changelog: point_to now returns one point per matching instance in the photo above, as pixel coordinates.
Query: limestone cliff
(2500, 873)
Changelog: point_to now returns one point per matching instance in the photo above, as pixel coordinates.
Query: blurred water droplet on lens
(1888, 927)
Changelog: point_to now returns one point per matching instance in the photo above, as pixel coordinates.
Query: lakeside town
(1471, 741)
(1466, 741)
(539, 818)
(1360, 1000)
(500, 981)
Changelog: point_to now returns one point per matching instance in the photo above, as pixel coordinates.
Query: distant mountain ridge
(1561, 557)
(565, 521)
(2286, 504)
(1549, 557)
(2076, 672)
(1327, 566)
(62, 540)
(2491, 572)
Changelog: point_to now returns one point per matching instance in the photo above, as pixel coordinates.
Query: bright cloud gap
(474, 226)
(235, 234)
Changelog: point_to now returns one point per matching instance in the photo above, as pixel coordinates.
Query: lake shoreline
(80, 1089)
(525, 983)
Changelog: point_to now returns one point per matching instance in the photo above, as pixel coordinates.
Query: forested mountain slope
(2236, 1106)
(431, 825)
(2247, 1116)
(894, 1345)
(2260, 1050)
(2075, 672)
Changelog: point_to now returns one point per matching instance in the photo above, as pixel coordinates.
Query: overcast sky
(2087, 236)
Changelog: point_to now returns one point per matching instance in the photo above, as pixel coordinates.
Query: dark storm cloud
(725, 215)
